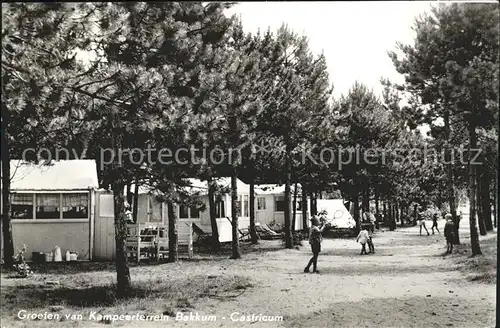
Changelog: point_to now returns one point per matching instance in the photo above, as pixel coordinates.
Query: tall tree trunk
(235, 243)
(311, 203)
(294, 209)
(389, 214)
(355, 200)
(400, 214)
(480, 214)
(8, 244)
(377, 209)
(366, 199)
(253, 232)
(234, 217)
(384, 210)
(288, 221)
(213, 214)
(135, 206)
(495, 203)
(123, 281)
(122, 270)
(312, 200)
(486, 199)
(173, 234)
(415, 214)
(393, 216)
(474, 238)
(304, 209)
(450, 184)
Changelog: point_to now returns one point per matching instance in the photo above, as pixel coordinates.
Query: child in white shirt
(363, 238)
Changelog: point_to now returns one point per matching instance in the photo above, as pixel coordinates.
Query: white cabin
(270, 205)
(53, 205)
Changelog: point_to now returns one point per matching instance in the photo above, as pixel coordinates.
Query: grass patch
(180, 292)
(480, 268)
(159, 295)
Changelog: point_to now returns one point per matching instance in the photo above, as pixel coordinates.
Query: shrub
(297, 237)
(22, 269)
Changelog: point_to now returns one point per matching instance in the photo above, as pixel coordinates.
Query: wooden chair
(204, 238)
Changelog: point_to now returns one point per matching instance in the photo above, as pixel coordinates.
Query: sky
(354, 36)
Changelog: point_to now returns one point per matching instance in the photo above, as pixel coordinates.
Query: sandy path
(407, 283)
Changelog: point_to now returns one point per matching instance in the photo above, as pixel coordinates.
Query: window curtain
(155, 208)
(47, 200)
(75, 200)
(246, 209)
(261, 203)
(22, 199)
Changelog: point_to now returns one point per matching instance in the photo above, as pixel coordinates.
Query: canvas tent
(335, 208)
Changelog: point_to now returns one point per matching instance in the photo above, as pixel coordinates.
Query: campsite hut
(149, 209)
(223, 207)
(270, 205)
(151, 225)
(53, 204)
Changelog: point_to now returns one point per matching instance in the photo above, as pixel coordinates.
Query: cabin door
(104, 233)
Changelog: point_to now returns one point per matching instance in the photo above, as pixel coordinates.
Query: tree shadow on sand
(407, 311)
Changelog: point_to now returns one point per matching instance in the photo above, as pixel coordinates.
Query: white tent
(335, 209)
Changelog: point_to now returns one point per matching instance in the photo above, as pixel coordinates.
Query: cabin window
(75, 206)
(48, 206)
(155, 210)
(238, 206)
(221, 209)
(22, 206)
(261, 203)
(195, 212)
(245, 206)
(279, 203)
(183, 212)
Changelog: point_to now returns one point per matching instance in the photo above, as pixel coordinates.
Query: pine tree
(452, 67)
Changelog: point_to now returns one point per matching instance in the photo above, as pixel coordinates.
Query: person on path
(363, 238)
(449, 231)
(435, 223)
(370, 242)
(372, 222)
(421, 223)
(315, 239)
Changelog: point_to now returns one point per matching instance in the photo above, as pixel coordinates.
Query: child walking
(363, 238)
(370, 242)
(421, 223)
(315, 239)
(435, 223)
(448, 232)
